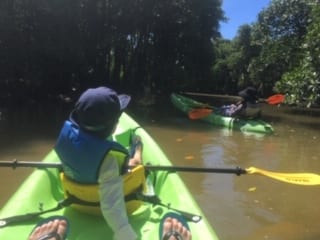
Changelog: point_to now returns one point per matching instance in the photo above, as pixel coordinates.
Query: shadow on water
(26, 136)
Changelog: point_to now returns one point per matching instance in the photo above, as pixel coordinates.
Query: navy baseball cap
(99, 108)
(249, 94)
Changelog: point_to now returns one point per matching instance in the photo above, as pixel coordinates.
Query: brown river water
(247, 207)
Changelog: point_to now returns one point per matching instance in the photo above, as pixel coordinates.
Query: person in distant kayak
(90, 157)
(247, 107)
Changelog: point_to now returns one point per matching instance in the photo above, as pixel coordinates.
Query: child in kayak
(89, 157)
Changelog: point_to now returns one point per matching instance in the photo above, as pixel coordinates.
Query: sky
(240, 12)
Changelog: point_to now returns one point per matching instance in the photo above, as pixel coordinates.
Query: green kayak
(38, 197)
(186, 105)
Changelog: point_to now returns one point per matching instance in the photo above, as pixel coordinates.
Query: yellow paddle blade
(294, 178)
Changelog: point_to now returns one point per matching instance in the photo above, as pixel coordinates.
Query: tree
(231, 69)
(303, 83)
(279, 32)
(127, 44)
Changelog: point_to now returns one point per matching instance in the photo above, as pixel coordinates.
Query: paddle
(293, 178)
(199, 113)
(206, 110)
(275, 99)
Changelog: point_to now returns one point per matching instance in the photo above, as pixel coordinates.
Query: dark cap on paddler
(98, 108)
(249, 94)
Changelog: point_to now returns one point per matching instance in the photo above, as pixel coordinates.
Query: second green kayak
(186, 104)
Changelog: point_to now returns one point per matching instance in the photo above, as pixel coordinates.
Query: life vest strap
(71, 199)
(75, 200)
(154, 199)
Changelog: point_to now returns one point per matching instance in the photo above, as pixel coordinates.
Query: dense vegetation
(279, 52)
(52, 49)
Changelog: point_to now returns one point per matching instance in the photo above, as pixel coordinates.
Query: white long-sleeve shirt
(112, 200)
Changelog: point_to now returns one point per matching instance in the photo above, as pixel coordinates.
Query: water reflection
(256, 206)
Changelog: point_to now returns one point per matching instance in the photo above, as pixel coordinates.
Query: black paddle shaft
(15, 164)
(238, 171)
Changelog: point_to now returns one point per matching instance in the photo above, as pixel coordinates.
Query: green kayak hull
(186, 104)
(43, 188)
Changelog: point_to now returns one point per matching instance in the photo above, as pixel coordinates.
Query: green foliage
(160, 45)
(224, 69)
(303, 83)
(231, 69)
(280, 52)
(279, 32)
(128, 44)
(284, 19)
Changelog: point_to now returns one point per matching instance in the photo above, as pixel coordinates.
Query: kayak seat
(86, 196)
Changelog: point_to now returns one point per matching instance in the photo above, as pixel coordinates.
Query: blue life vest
(81, 154)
